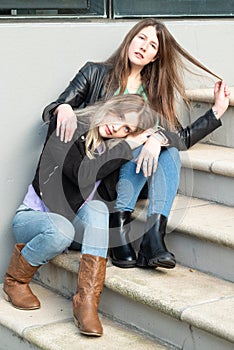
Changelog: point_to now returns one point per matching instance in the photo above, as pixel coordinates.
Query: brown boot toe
(20, 295)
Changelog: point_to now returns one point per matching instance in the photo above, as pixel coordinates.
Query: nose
(116, 127)
(144, 46)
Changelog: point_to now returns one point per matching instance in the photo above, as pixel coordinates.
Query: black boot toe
(164, 259)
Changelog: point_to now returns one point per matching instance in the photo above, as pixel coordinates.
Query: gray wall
(38, 60)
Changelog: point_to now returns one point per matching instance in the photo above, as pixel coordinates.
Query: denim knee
(56, 235)
(176, 157)
(62, 234)
(99, 206)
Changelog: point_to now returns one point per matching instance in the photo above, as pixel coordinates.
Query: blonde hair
(117, 106)
(162, 79)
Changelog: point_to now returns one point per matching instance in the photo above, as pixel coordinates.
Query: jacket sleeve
(189, 136)
(75, 93)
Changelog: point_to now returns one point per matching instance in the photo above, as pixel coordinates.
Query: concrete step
(201, 101)
(208, 173)
(183, 307)
(200, 234)
(52, 328)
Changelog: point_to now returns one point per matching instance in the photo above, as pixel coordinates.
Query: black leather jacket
(88, 86)
(65, 176)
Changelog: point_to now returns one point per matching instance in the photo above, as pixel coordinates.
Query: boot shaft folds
(91, 277)
(19, 268)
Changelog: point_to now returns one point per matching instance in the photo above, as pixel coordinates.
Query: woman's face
(113, 127)
(143, 47)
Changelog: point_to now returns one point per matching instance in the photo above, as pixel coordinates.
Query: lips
(139, 55)
(107, 129)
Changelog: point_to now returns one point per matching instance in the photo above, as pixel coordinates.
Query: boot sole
(7, 298)
(124, 264)
(91, 334)
(84, 332)
(163, 265)
(143, 262)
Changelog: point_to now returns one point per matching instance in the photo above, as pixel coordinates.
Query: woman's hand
(221, 99)
(148, 158)
(66, 122)
(137, 140)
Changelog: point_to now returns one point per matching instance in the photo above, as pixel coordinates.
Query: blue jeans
(163, 184)
(49, 234)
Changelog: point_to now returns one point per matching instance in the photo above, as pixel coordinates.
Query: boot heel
(141, 261)
(76, 322)
(6, 296)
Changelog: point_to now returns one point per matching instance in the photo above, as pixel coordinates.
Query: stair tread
(52, 327)
(207, 95)
(183, 293)
(204, 219)
(209, 158)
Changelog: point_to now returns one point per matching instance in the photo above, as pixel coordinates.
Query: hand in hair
(221, 98)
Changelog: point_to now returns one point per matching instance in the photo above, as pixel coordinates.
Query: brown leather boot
(91, 277)
(16, 282)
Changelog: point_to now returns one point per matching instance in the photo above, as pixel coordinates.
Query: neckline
(139, 90)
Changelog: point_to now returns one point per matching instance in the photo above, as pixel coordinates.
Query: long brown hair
(162, 79)
(117, 106)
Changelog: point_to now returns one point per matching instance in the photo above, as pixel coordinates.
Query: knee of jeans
(66, 231)
(59, 234)
(63, 238)
(176, 156)
(98, 207)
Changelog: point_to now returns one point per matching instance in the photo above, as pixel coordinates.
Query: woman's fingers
(148, 157)
(66, 128)
(147, 162)
(139, 162)
(62, 131)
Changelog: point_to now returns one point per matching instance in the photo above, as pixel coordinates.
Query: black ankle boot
(153, 251)
(122, 253)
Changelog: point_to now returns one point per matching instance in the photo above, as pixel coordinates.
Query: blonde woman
(60, 204)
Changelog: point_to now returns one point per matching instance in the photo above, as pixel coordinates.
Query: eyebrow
(152, 41)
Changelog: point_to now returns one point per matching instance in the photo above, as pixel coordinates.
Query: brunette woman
(149, 62)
